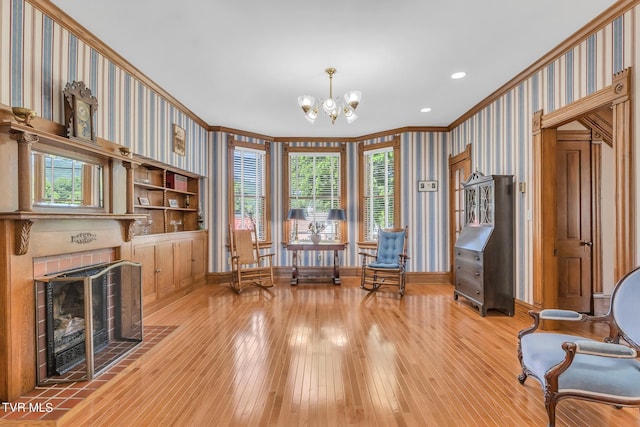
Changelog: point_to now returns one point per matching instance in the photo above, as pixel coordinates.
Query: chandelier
(332, 107)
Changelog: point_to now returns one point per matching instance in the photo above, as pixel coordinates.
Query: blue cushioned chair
(387, 265)
(569, 366)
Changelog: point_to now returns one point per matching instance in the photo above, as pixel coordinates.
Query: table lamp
(336, 215)
(296, 214)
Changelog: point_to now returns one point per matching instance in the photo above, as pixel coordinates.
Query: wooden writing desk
(310, 246)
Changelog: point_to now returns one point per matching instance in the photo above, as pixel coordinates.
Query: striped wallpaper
(39, 56)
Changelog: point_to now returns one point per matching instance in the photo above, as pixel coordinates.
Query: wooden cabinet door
(183, 265)
(198, 259)
(145, 254)
(164, 268)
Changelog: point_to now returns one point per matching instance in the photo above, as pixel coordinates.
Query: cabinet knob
(477, 273)
(477, 292)
(458, 267)
(158, 270)
(477, 258)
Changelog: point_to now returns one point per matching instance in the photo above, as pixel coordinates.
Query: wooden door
(573, 237)
(459, 171)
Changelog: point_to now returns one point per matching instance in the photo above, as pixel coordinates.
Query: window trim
(266, 147)
(397, 201)
(288, 149)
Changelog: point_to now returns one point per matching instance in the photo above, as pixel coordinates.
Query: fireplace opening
(95, 311)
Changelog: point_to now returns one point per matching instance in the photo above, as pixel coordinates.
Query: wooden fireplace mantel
(24, 222)
(44, 133)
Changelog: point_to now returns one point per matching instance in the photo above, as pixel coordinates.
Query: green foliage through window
(314, 185)
(63, 181)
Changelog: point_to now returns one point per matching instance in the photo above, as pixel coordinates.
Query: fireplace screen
(95, 311)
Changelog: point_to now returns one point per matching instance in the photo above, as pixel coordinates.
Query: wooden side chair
(387, 266)
(249, 266)
(568, 366)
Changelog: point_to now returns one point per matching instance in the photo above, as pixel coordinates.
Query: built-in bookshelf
(168, 198)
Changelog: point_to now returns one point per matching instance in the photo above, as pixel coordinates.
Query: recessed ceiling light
(425, 110)
(458, 75)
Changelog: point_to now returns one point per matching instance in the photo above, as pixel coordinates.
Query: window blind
(249, 189)
(378, 191)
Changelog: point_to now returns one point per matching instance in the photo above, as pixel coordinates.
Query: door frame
(616, 96)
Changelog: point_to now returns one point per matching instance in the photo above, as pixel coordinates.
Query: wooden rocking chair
(248, 265)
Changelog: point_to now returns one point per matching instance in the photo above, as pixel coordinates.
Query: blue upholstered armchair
(569, 366)
(387, 265)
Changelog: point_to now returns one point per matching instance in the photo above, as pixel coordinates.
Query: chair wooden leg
(363, 281)
(550, 405)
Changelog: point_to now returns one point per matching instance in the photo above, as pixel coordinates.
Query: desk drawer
(468, 256)
(470, 280)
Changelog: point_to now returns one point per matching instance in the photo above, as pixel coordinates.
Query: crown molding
(239, 132)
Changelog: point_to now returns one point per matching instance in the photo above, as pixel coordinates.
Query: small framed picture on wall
(143, 201)
(427, 186)
(179, 144)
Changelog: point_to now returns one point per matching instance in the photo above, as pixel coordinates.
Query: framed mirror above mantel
(57, 178)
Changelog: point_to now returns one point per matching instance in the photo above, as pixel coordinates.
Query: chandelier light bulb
(329, 105)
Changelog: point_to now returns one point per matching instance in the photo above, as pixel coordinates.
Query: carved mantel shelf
(102, 148)
(24, 222)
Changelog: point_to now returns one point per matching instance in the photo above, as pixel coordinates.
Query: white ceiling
(243, 63)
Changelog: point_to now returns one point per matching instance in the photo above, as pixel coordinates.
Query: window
(315, 184)
(250, 183)
(379, 188)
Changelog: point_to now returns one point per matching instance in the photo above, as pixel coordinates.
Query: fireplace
(88, 318)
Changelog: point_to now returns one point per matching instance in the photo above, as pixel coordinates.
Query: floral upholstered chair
(569, 366)
(387, 266)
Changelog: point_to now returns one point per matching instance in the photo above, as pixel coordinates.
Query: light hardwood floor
(322, 355)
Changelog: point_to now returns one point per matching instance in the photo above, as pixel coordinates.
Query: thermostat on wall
(427, 185)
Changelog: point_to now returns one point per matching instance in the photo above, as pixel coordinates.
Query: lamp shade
(352, 98)
(296, 213)
(337, 215)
